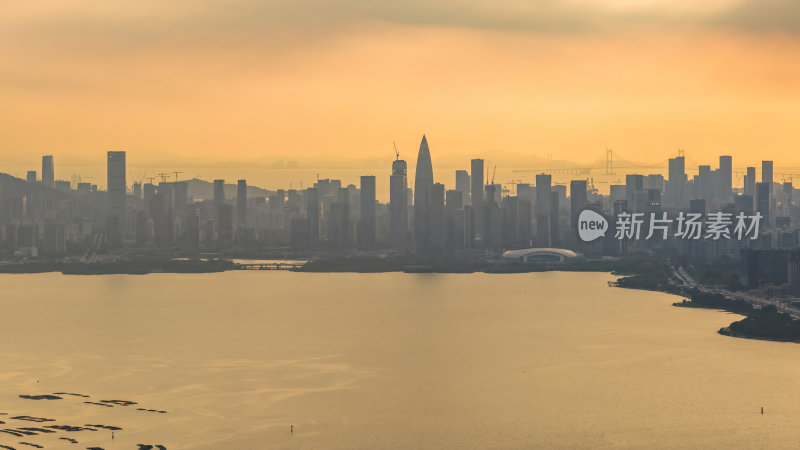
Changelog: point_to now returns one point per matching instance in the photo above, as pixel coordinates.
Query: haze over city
(256, 82)
(439, 224)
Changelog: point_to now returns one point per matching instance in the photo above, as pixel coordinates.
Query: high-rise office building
(462, 185)
(634, 190)
(750, 181)
(766, 173)
(526, 191)
(577, 201)
(654, 181)
(180, 196)
(225, 223)
(786, 198)
(454, 219)
(142, 230)
(313, 214)
(725, 179)
(794, 272)
(241, 202)
(454, 199)
(704, 185)
(337, 219)
(116, 174)
(697, 206)
(436, 217)
(343, 199)
(54, 239)
(744, 203)
(543, 198)
(48, 175)
(63, 185)
(767, 176)
(517, 209)
(493, 225)
(219, 193)
(555, 230)
(398, 209)
(367, 223)
(192, 234)
(677, 181)
(162, 214)
(423, 183)
(148, 191)
(577, 197)
(31, 177)
(477, 197)
(762, 201)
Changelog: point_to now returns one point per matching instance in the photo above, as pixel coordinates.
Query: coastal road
(755, 300)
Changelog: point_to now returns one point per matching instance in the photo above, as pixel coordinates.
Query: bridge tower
(609, 162)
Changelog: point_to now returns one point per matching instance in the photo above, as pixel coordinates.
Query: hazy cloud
(762, 16)
(95, 26)
(547, 16)
(569, 16)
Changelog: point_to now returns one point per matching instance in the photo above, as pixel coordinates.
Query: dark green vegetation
(645, 273)
(722, 272)
(134, 267)
(699, 299)
(765, 323)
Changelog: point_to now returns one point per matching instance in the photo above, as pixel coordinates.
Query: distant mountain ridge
(205, 190)
(197, 188)
(10, 184)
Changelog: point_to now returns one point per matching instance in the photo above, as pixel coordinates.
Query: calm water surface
(543, 360)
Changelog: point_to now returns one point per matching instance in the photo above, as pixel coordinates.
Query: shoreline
(642, 273)
(133, 267)
(764, 324)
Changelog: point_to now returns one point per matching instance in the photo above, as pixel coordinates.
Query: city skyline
(423, 224)
(447, 174)
(428, 218)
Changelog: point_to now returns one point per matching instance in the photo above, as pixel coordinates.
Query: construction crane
(176, 175)
(396, 153)
(140, 178)
(739, 177)
(494, 171)
(77, 178)
(163, 177)
(789, 177)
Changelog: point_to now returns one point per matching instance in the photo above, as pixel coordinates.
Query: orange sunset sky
(259, 81)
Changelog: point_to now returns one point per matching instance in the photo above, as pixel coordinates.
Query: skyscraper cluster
(422, 215)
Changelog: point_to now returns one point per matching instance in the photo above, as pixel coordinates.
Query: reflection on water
(384, 361)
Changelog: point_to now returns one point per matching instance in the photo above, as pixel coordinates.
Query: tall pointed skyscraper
(423, 183)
